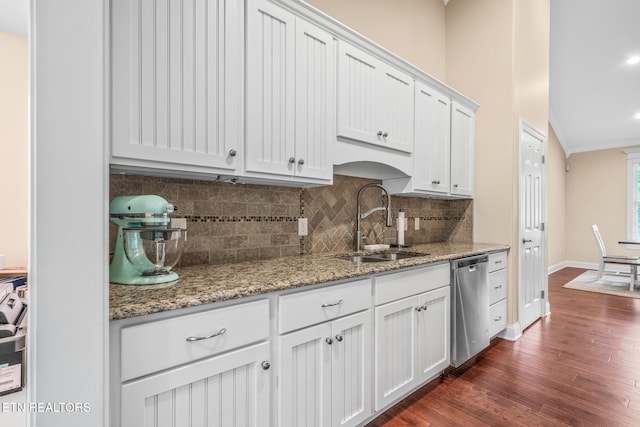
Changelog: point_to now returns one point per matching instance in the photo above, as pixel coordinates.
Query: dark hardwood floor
(578, 366)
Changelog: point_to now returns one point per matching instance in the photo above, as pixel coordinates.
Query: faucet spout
(360, 216)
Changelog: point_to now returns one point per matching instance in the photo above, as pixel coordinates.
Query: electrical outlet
(417, 223)
(303, 226)
(180, 223)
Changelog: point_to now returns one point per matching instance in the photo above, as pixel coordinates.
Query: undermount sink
(383, 257)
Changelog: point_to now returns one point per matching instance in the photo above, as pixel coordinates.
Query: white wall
(14, 145)
(67, 353)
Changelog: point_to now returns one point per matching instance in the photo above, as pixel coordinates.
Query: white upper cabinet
(375, 101)
(177, 85)
(290, 95)
(432, 145)
(462, 150)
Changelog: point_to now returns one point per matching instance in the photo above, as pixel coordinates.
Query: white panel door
(315, 101)
(462, 146)
(533, 277)
(395, 349)
(270, 89)
(396, 109)
(175, 82)
(226, 391)
(358, 95)
(433, 332)
(351, 369)
(432, 140)
(305, 377)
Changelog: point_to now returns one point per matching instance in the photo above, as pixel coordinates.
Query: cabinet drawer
(394, 286)
(155, 346)
(497, 261)
(310, 307)
(497, 317)
(497, 285)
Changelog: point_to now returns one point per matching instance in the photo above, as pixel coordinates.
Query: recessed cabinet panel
(270, 89)
(432, 144)
(375, 101)
(175, 87)
(462, 150)
(230, 390)
(434, 331)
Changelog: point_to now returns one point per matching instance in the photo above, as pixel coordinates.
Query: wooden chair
(632, 261)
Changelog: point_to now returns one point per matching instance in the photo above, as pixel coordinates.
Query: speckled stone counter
(205, 284)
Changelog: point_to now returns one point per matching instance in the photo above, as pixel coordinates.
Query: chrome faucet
(361, 216)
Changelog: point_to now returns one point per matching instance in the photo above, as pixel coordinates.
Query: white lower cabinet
(324, 373)
(229, 390)
(411, 343)
(497, 292)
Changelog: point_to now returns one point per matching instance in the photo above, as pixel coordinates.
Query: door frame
(523, 127)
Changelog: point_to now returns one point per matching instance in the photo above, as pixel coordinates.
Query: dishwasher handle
(471, 262)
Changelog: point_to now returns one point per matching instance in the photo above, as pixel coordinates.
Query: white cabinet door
(315, 112)
(176, 85)
(351, 369)
(396, 108)
(395, 350)
(229, 390)
(375, 101)
(432, 140)
(462, 150)
(358, 95)
(305, 377)
(433, 333)
(270, 89)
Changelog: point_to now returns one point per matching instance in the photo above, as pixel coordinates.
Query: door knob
(526, 240)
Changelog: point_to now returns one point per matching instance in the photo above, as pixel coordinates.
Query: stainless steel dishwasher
(470, 308)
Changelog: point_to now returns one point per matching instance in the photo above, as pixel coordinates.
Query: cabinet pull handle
(232, 153)
(497, 319)
(325, 305)
(497, 287)
(265, 365)
(301, 162)
(435, 182)
(292, 159)
(339, 338)
(499, 261)
(329, 341)
(217, 334)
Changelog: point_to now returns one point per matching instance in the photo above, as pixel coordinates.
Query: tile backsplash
(241, 222)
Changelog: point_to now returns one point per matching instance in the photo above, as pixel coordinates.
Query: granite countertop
(205, 284)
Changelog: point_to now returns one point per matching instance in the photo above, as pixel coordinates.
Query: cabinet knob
(418, 308)
(386, 134)
(379, 133)
(455, 185)
(292, 160)
(265, 365)
(301, 162)
(497, 319)
(339, 338)
(232, 152)
(424, 307)
(329, 341)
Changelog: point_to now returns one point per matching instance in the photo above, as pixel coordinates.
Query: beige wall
(412, 29)
(13, 148)
(556, 200)
(498, 54)
(596, 194)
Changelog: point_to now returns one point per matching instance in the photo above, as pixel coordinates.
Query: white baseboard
(512, 333)
(557, 267)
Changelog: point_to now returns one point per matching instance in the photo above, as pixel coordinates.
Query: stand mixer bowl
(153, 251)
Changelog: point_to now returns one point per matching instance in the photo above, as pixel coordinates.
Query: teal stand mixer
(146, 249)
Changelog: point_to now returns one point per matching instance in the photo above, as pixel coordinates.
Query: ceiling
(594, 94)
